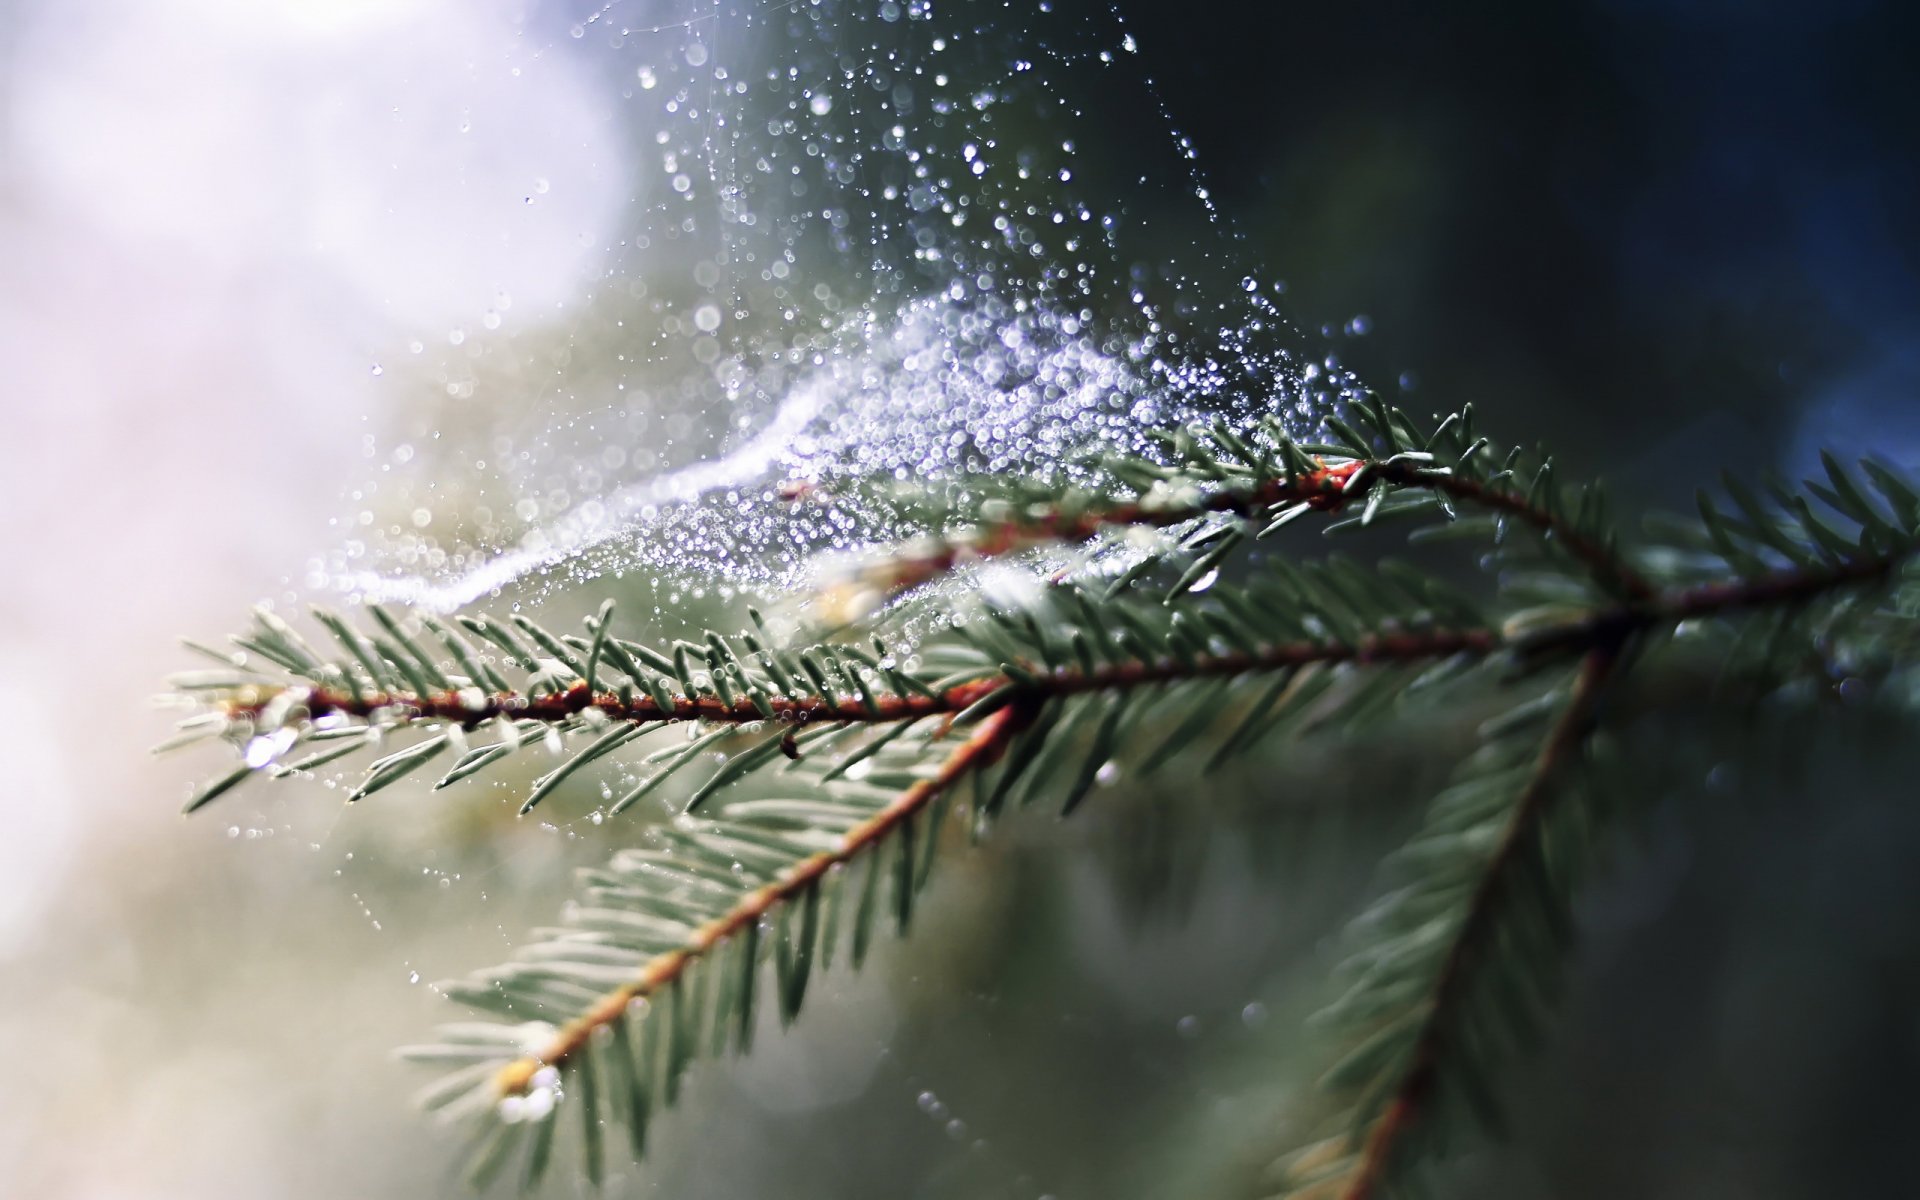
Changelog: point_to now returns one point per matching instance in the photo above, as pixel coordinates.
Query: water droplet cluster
(892, 241)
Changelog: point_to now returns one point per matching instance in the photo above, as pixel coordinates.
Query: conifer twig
(1328, 489)
(1603, 561)
(926, 561)
(1453, 967)
(980, 750)
(1673, 605)
(471, 708)
(1478, 922)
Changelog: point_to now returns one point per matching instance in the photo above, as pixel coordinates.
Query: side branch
(931, 559)
(1328, 489)
(1478, 927)
(1781, 587)
(1599, 558)
(1778, 588)
(977, 752)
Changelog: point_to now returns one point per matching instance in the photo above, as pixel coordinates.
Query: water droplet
(537, 1105)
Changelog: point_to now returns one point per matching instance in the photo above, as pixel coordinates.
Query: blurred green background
(276, 273)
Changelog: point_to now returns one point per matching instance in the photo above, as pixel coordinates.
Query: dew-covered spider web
(859, 240)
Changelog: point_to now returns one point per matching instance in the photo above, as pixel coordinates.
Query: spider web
(856, 239)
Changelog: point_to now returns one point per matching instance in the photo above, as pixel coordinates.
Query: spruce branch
(652, 919)
(1025, 518)
(1576, 537)
(978, 751)
(987, 662)
(842, 759)
(1445, 989)
(1266, 480)
(1518, 872)
(250, 702)
(1783, 590)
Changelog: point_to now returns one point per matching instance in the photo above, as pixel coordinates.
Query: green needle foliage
(825, 779)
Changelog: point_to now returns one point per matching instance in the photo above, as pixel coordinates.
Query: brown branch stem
(558, 706)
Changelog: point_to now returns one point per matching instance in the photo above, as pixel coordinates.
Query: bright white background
(220, 222)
